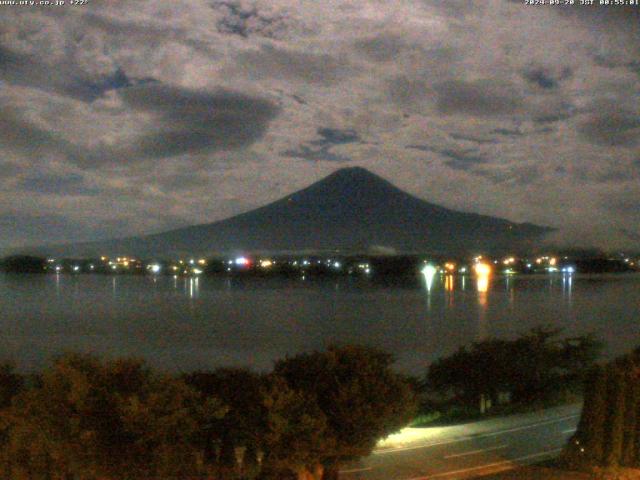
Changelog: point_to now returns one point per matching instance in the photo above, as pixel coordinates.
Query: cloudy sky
(122, 117)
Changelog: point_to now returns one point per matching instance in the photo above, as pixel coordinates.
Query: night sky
(128, 117)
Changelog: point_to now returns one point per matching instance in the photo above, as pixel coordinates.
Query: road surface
(469, 450)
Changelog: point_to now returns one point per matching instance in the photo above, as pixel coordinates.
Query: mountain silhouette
(352, 210)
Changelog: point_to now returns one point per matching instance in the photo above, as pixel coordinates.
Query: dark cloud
(245, 22)
(546, 77)
(508, 132)
(279, 63)
(23, 229)
(335, 136)
(457, 159)
(632, 235)
(456, 8)
(407, 92)
(24, 137)
(550, 107)
(186, 121)
(8, 170)
(483, 98)
(462, 159)
(381, 48)
(313, 154)
(611, 124)
(70, 184)
(623, 203)
(474, 139)
(182, 181)
(320, 149)
(191, 121)
(64, 79)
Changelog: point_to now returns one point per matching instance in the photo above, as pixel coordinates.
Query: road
(466, 451)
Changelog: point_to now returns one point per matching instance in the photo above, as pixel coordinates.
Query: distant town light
(450, 266)
(197, 271)
(58, 268)
(155, 268)
(337, 264)
(242, 261)
(429, 271)
(266, 263)
(76, 268)
(482, 269)
(202, 261)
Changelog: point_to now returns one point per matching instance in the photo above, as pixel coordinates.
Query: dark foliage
(530, 368)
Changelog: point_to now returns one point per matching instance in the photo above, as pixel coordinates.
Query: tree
(532, 367)
(94, 419)
(241, 390)
(296, 437)
(11, 383)
(362, 398)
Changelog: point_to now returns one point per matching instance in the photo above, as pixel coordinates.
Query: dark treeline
(84, 418)
(608, 433)
(539, 367)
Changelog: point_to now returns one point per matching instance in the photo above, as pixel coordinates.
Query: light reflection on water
(183, 323)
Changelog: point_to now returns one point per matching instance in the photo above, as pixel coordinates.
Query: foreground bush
(85, 418)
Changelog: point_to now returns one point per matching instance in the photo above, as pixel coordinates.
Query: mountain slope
(351, 210)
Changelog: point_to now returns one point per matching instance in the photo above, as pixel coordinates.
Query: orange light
(482, 269)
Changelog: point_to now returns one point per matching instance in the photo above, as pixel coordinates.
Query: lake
(181, 324)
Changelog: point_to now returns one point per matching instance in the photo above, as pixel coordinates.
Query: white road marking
(506, 463)
(570, 430)
(474, 452)
(473, 437)
(355, 470)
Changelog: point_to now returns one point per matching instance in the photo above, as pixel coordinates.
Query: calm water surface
(187, 323)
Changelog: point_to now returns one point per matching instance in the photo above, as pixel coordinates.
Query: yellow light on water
(482, 269)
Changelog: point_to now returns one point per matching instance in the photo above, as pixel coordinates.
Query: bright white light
(336, 265)
(76, 268)
(463, 269)
(197, 271)
(429, 271)
(58, 268)
(242, 261)
(367, 271)
(568, 270)
(91, 266)
(155, 268)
